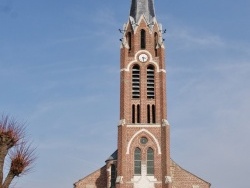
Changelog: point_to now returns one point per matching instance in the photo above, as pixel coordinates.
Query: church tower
(142, 159)
(143, 131)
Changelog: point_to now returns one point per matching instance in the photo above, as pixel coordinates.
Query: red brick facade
(184, 179)
(143, 156)
(97, 179)
(181, 179)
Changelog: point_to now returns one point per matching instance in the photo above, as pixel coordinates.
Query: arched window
(153, 114)
(150, 82)
(148, 113)
(113, 176)
(136, 82)
(137, 161)
(143, 39)
(155, 44)
(150, 161)
(138, 114)
(133, 113)
(129, 39)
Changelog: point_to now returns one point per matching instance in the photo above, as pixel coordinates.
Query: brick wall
(97, 179)
(129, 58)
(183, 179)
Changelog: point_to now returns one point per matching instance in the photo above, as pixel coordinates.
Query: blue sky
(59, 72)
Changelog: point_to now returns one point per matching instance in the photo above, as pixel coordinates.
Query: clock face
(143, 57)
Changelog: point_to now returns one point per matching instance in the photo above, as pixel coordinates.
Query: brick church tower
(142, 159)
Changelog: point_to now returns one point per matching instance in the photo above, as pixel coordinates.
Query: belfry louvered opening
(136, 82)
(150, 82)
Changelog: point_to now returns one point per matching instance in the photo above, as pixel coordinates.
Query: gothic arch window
(150, 161)
(138, 114)
(156, 43)
(150, 82)
(143, 39)
(148, 113)
(133, 113)
(153, 114)
(136, 82)
(137, 161)
(129, 39)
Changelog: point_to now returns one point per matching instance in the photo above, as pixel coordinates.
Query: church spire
(142, 7)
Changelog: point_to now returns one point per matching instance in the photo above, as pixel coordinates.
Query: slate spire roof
(142, 7)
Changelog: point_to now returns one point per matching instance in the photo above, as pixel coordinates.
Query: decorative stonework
(149, 133)
(165, 122)
(168, 179)
(119, 179)
(122, 122)
(90, 186)
(144, 126)
(196, 186)
(127, 68)
(144, 180)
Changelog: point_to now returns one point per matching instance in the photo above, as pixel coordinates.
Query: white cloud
(209, 114)
(209, 104)
(191, 40)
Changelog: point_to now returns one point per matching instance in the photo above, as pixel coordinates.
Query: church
(142, 158)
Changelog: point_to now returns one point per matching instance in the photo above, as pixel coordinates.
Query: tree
(13, 142)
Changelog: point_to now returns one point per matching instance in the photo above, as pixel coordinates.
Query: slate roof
(113, 156)
(142, 7)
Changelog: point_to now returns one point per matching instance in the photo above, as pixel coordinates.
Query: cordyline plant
(13, 143)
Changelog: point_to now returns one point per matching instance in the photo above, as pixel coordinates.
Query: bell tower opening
(129, 40)
(156, 44)
(143, 39)
(150, 82)
(136, 82)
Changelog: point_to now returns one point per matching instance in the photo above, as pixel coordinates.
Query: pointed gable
(142, 7)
